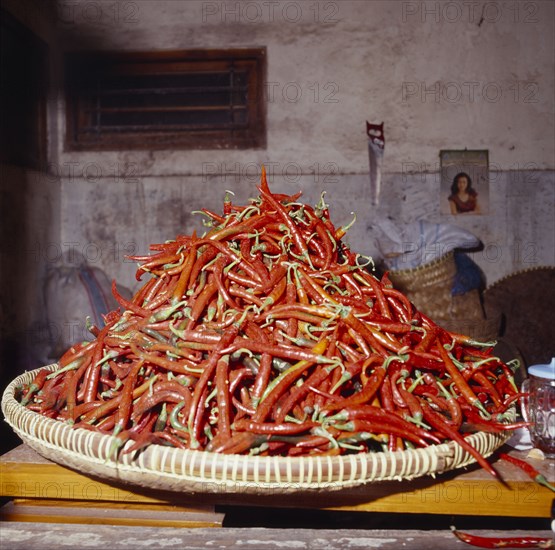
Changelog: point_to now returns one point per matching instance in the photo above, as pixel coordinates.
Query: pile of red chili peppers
(269, 336)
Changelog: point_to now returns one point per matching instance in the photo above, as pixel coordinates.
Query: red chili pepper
(202, 301)
(185, 274)
(386, 395)
(238, 443)
(262, 377)
(451, 406)
(368, 391)
(299, 392)
(504, 542)
(383, 427)
(283, 351)
(75, 352)
(429, 338)
(412, 402)
(296, 235)
(394, 296)
(529, 469)
(477, 423)
(123, 413)
(375, 414)
(209, 366)
(280, 384)
(242, 408)
(245, 295)
(220, 285)
(223, 396)
(327, 246)
(437, 421)
(71, 399)
(203, 255)
(277, 291)
(234, 256)
(216, 217)
(373, 336)
(377, 288)
(273, 428)
(107, 407)
(458, 378)
(237, 378)
(126, 304)
(36, 385)
(483, 377)
(395, 373)
(181, 366)
(263, 180)
(238, 229)
(83, 408)
(163, 395)
(140, 434)
(92, 382)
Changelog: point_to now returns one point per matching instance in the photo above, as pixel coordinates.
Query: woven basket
(167, 468)
(429, 287)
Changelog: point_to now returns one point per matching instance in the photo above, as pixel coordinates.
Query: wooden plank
(463, 497)
(111, 505)
(33, 536)
(467, 492)
(25, 474)
(44, 491)
(123, 515)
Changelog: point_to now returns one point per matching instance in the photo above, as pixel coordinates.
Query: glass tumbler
(538, 407)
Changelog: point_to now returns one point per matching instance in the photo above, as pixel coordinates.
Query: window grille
(197, 99)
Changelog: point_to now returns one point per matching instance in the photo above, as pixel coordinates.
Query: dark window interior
(23, 91)
(198, 99)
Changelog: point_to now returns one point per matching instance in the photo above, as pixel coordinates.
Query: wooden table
(25, 475)
(45, 497)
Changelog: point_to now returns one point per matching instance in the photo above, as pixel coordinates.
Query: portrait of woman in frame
(464, 187)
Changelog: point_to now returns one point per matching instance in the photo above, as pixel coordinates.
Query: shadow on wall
(15, 276)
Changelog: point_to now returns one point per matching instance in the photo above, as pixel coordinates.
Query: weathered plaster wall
(430, 70)
(520, 232)
(442, 75)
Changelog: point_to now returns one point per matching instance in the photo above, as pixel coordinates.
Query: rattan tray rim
(167, 468)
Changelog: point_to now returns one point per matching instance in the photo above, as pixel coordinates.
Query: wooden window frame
(251, 135)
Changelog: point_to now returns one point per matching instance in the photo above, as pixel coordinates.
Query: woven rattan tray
(167, 468)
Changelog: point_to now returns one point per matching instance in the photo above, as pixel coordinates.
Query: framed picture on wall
(464, 187)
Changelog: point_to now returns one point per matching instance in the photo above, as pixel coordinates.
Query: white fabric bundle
(421, 242)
